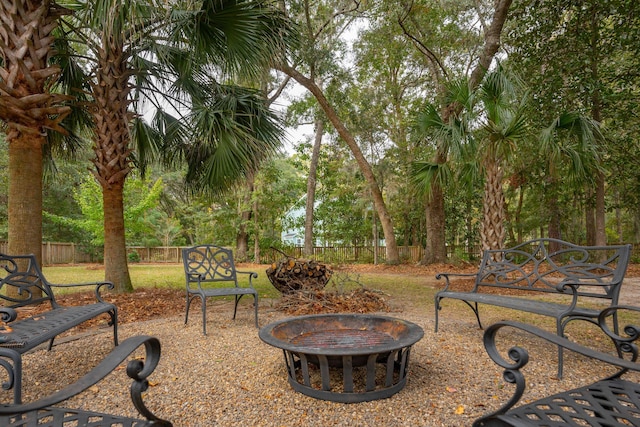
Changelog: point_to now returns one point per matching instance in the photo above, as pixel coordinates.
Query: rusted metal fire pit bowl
(345, 357)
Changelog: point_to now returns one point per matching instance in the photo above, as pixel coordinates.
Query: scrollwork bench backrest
(23, 274)
(543, 264)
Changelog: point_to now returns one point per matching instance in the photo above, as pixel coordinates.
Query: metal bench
(208, 272)
(544, 267)
(21, 334)
(42, 413)
(612, 401)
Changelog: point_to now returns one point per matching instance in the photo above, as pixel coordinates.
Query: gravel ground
(231, 377)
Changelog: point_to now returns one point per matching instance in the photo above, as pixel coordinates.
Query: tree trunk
(435, 249)
(25, 199)
(115, 249)
(596, 114)
(311, 189)
(25, 195)
(28, 111)
(242, 238)
(601, 230)
(590, 217)
(386, 222)
(112, 155)
(256, 235)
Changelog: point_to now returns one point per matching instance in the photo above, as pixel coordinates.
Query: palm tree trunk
(492, 232)
(115, 253)
(25, 194)
(112, 161)
(25, 198)
(28, 110)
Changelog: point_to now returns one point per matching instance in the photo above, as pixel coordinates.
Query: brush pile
(361, 300)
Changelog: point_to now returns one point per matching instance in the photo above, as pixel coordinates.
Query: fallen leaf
(459, 410)
(451, 389)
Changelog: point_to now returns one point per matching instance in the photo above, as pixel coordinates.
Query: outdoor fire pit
(345, 357)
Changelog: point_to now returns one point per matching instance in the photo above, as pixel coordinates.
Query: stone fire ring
(344, 358)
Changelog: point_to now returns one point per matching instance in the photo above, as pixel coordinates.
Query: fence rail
(71, 253)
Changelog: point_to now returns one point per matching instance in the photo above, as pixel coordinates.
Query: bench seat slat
(33, 331)
(602, 404)
(55, 417)
(544, 308)
(217, 292)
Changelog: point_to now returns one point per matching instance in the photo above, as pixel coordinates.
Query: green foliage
(133, 257)
(140, 199)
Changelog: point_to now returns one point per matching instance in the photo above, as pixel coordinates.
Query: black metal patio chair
(209, 270)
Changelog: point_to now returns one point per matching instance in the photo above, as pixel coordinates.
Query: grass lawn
(412, 287)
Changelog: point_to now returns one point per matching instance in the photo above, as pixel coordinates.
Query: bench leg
(13, 367)
(235, 307)
(473, 307)
(560, 329)
(114, 322)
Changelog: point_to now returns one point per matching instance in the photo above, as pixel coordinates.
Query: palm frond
(424, 175)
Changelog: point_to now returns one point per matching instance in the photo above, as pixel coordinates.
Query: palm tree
(569, 146)
(28, 110)
(143, 54)
(483, 138)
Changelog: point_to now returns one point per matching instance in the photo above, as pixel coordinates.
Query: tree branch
(421, 47)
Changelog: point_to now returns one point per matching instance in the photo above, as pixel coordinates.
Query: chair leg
(204, 315)
(186, 317)
(255, 303)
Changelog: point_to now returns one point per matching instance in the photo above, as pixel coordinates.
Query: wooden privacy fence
(71, 253)
(58, 253)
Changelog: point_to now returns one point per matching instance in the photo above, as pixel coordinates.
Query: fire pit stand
(345, 358)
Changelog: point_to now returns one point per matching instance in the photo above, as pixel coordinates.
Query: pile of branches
(361, 300)
(337, 300)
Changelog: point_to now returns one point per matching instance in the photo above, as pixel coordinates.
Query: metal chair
(208, 269)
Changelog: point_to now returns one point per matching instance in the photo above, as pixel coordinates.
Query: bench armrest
(252, 275)
(136, 370)
(448, 276)
(8, 314)
(98, 287)
(625, 345)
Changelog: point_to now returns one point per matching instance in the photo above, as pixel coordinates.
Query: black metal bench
(42, 413)
(209, 271)
(612, 401)
(542, 267)
(19, 335)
